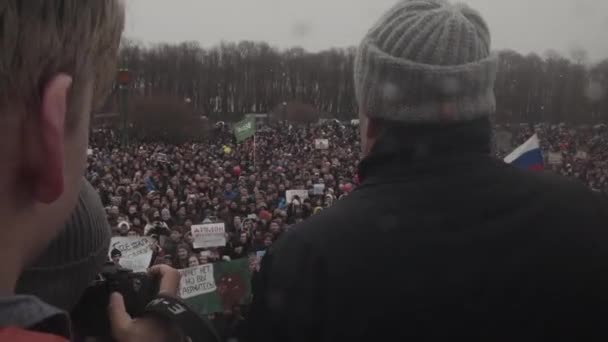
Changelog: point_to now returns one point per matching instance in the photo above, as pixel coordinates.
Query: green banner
(216, 287)
(244, 129)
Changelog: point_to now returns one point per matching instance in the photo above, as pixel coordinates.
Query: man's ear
(44, 141)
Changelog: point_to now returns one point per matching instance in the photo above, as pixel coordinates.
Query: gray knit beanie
(427, 61)
(73, 259)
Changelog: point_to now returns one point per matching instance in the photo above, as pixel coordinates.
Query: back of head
(426, 62)
(57, 61)
(40, 38)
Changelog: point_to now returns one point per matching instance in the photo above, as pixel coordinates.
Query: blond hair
(40, 38)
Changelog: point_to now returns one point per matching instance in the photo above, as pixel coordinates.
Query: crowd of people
(162, 190)
(439, 241)
(579, 152)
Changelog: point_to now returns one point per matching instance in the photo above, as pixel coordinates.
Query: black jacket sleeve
(288, 297)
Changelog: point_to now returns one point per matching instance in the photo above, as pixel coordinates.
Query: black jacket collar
(421, 159)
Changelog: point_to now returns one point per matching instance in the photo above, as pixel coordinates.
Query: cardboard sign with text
(321, 144)
(290, 194)
(162, 158)
(136, 252)
(583, 155)
(555, 158)
(209, 235)
(216, 287)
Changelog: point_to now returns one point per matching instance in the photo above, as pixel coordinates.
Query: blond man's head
(57, 61)
(41, 38)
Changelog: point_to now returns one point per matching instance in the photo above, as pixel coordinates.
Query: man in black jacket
(441, 241)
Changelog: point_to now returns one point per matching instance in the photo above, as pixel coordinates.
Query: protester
(441, 241)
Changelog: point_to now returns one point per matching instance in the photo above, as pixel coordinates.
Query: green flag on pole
(213, 288)
(244, 129)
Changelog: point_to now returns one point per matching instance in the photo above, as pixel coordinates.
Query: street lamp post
(124, 79)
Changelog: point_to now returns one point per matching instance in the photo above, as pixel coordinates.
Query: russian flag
(527, 156)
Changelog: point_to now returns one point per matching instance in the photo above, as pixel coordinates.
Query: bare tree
(231, 79)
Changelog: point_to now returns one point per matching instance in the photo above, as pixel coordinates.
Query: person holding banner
(441, 241)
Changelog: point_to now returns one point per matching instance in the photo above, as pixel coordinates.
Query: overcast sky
(522, 25)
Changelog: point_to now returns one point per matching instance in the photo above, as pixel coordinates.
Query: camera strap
(193, 326)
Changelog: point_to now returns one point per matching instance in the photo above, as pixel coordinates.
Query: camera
(90, 316)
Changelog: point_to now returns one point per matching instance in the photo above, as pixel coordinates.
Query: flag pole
(254, 164)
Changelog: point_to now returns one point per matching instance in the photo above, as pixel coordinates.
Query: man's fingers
(169, 279)
(120, 320)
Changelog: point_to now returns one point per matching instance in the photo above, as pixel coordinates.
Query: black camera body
(90, 316)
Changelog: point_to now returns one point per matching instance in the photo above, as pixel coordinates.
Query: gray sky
(522, 25)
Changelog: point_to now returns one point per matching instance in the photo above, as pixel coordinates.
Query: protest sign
(209, 235)
(216, 287)
(582, 155)
(321, 144)
(290, 194)
(136, 252)
(196, 281)
(162, 158)
(318, 189)
(116, 200)
(555, 158)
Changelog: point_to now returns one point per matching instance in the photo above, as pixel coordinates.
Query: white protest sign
(582, 155)
(136, 252)
(290, 194)
(319, 189)
(321, 144)
(196, 281)
(209, 235)
(555, 158)
(162, 158)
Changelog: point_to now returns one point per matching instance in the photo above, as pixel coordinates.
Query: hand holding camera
(126, 329)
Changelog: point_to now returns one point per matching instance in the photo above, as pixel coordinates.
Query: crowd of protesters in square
(162, 190)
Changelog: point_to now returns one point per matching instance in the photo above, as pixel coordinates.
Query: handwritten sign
(321, 144)
(582, 155)
(291, 194)
(136, 252)
(209, 235)
(196, 281)
(162, 158)
(555, 158)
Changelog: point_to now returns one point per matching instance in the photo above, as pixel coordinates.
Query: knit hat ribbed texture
(74, 258)
(427, 61)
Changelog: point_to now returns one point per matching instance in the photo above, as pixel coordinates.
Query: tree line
(231, 79)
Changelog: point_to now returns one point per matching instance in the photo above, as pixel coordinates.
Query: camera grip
(176, 311)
